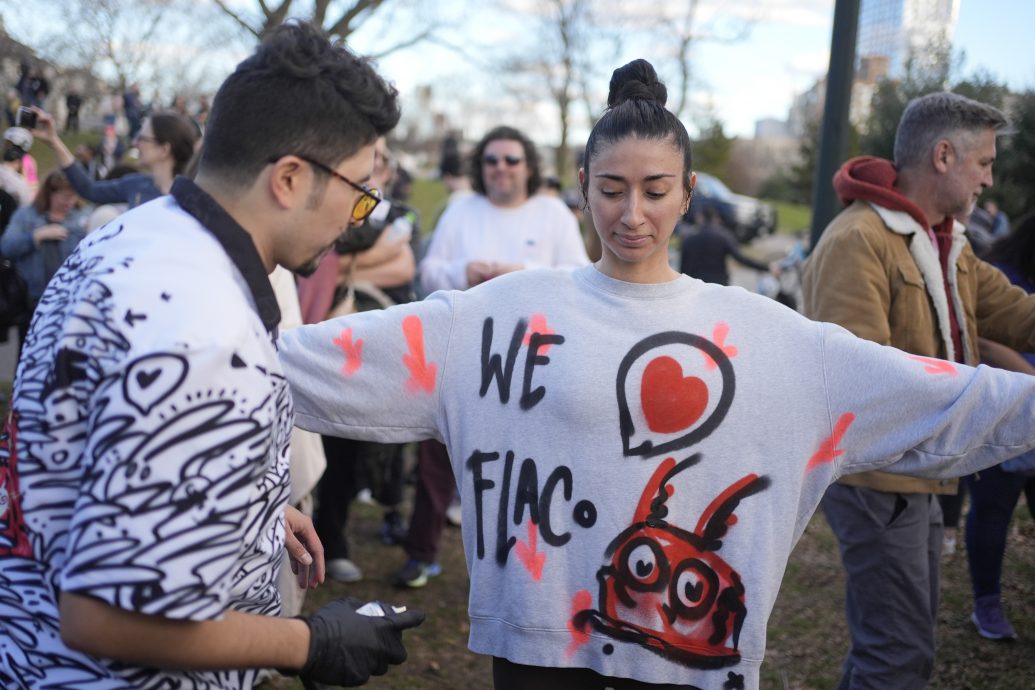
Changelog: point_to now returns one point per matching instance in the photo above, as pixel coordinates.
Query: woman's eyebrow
(619, 178)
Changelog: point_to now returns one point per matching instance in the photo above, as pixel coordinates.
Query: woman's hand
(50, 231)
(45, 129)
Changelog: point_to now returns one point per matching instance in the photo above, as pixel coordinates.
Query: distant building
(753, 161)
(807, 107)
(771, 128)
(893, 31)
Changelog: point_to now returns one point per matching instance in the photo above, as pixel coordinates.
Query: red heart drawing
(671, 402)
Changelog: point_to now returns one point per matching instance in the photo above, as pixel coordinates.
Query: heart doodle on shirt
(151, 379)
(671, 402)
(146, 378)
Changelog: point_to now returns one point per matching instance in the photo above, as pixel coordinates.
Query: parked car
(745, 217)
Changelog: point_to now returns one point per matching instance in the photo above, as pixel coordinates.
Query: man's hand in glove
(346, 647)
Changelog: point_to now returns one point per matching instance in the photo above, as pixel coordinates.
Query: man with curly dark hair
(505, 226)
(145, 475)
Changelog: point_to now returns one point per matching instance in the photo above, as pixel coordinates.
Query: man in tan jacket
(894, 267)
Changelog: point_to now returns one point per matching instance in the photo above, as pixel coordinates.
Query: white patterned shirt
(151, 443)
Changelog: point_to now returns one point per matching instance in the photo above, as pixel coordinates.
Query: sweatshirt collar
(598, 280)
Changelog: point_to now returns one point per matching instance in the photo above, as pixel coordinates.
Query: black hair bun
(636, 81)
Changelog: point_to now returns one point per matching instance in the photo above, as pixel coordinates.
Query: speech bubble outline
(152, 378)
(647, 449)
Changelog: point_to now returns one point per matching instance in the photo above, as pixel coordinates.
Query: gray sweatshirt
(636, 462)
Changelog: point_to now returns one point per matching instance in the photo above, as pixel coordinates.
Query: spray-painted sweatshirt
(636, 462)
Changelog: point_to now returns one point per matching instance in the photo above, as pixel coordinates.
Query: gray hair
(942, 115)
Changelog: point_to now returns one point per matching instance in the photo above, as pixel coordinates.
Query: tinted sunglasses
(492, 161)
(369, 196)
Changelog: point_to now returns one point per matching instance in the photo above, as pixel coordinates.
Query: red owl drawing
(666, 588)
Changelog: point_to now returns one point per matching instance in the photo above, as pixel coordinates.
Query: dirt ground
(807, 633)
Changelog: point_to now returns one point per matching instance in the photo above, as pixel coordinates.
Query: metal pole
(833, 139)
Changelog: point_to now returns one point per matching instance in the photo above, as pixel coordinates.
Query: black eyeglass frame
(368, 192)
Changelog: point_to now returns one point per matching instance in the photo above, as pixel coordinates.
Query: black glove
(346, 648)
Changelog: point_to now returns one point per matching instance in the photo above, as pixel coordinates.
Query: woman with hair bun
(637, 451)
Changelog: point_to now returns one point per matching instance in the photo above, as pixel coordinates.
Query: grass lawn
(429, 198)
(791, 217)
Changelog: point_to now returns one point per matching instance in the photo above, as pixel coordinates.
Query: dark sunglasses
(492, 161)
(369, 196)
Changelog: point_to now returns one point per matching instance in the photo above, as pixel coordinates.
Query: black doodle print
(151, 480)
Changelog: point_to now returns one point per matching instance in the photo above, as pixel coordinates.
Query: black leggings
(506, 675)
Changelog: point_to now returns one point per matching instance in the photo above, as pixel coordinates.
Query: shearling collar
(925, 255)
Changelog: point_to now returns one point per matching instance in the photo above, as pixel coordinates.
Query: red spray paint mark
(828, 450)
(653, 488)
(722, 329)
(582, 601)
(537, 324)
(671, 402)
(936, 366)
(529, 553)
(720, 500)
(422, 374)
(353, 352)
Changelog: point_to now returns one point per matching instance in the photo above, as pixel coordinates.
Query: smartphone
(378, 608)
(25, 117)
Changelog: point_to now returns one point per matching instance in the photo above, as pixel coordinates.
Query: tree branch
(240, 20)
(343, 27)
(405, 43)
(277, 17)
(320, 12)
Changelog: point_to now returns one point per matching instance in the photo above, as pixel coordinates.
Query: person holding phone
(165, 144)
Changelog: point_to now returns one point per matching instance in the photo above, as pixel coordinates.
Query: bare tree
(270, 16)
(570, 18)
(335, 19)
(560, 43)
(685, 31)
(111, 35)
(166, 45)
(575, 42)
